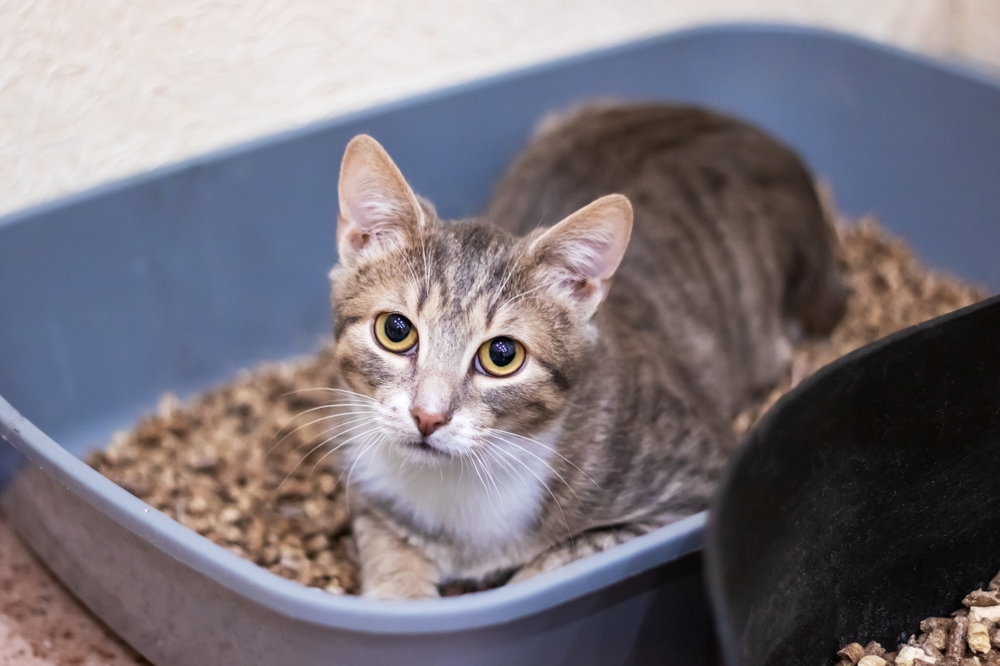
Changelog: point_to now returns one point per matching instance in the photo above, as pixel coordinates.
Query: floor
(91, 92)
(41, 624)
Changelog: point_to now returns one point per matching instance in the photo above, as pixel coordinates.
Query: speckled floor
(41, 624)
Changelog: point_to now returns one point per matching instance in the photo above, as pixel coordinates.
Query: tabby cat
(520, 395)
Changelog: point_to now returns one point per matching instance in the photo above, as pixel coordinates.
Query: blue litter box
(174, 280)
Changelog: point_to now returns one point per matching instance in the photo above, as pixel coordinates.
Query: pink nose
(428, 423)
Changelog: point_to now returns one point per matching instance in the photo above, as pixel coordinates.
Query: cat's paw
(400, 590)
(523, 575)
(542, 564)
(580, 546)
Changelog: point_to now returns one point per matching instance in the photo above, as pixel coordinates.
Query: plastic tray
(175, 279)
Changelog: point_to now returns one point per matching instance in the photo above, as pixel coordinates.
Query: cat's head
(456, 330)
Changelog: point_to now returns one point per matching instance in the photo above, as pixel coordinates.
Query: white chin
(424, 451)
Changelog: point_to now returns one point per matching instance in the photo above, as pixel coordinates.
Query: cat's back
(696, 179)
(729, 245)
(647, 149)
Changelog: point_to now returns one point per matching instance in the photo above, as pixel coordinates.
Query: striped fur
(619, 421)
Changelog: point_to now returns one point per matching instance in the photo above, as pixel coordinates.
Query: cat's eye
(395, 332)
(500, 357)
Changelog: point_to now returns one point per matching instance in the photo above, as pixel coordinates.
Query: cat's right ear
(579, 256)
(378, 210)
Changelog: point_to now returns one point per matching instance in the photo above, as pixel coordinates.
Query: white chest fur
(481, 510)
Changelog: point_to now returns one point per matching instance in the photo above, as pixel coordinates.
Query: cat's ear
(580, 255)
(378, 210)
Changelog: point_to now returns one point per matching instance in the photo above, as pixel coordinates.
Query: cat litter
(970, 637)
(245, 464)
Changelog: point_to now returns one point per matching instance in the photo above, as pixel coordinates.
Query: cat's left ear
(377, 207)
(580, 255)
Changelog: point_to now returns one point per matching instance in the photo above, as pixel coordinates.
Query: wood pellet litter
(970, 637)
(242, 466)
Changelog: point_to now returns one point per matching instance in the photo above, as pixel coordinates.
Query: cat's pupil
(397, 327)
(502, 351)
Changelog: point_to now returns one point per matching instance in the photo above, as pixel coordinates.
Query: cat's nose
(428, 423)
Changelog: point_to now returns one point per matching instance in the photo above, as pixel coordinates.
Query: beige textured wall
(92, 91)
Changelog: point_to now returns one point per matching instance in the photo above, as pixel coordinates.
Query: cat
(517, 396)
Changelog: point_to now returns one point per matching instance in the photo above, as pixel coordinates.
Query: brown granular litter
(244, 466)
(970, 637)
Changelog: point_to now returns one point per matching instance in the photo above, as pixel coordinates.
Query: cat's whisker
(306, 425)
(354, 424)
(503, 463)
(344, 431)
(541, 219)
(487, 447)
(347, 483)
(322, 458)
(380, 440)
(475, 466)
(366, 446)
(319, 446)
(354, 408)
(330, 452)
(353, 405)
(357, 459)
(341, 429)
(329, 405)
(350, 416)
(503, 283)
(545, 485)
(333, 390)
(399, 467)
(546, 463)
(413, 273)
(546, 446)
(488, 471)
(514, 299)
(506, 466)
(530, 453)
(507, 275)
(512, 264)
(427, 267)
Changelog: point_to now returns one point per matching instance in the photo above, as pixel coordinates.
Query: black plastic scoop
(866, 500)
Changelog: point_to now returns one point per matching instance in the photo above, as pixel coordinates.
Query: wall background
(91, 91)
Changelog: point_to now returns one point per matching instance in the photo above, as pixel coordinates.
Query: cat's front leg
(391, 568)
(580, 546)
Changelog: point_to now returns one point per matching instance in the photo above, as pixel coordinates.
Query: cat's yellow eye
(395, 332)
(500, 357)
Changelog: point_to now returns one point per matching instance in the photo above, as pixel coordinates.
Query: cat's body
(618, 421)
